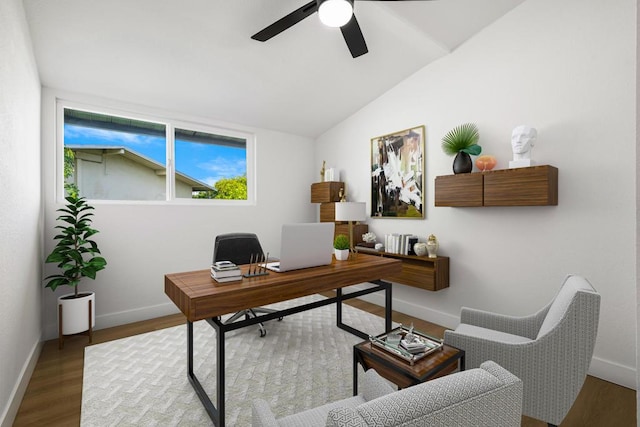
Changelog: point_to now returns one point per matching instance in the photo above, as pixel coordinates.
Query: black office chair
(240, 248)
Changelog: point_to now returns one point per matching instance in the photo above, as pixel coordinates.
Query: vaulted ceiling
(197, 57)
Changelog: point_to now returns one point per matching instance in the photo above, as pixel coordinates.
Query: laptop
(304, 245)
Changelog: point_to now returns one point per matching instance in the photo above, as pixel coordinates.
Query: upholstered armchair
(485, 396)
(550, 351)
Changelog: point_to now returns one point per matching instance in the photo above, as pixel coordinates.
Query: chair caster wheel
(263, 332)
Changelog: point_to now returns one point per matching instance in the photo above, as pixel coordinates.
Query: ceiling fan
(333, 13)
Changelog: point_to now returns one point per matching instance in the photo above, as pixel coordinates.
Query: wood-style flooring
(54, 394)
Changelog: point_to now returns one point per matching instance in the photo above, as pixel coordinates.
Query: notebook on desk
(303, 246)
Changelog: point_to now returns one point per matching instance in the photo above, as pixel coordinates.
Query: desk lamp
(350, 212)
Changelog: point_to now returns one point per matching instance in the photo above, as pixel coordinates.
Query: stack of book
(225, 271)
(414, 346)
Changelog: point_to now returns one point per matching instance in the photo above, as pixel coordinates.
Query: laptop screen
(305, 245)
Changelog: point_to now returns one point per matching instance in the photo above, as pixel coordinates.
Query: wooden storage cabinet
(459, 190)
(325, 192)
(421, 272)
(328, 194)
(328, 212)
(531, 186)
(358, 231)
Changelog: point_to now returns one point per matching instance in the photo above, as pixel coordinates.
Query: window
(212, 158)
(114, 157)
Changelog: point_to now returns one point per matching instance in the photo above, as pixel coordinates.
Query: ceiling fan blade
(354, 38)
(287, 22)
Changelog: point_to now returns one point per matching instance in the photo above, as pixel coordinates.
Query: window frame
(170, 126)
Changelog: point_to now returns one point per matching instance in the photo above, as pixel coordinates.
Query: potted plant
(341, 246)
(76, 256)
(462, 141)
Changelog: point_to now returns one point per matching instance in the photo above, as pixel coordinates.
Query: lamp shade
(351, 211)
(335, 13)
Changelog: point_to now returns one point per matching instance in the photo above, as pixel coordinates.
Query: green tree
(69, 169)
(231, 188)
(204, 195)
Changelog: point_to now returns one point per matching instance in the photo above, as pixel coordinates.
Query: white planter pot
(75, 312)
(342, 254)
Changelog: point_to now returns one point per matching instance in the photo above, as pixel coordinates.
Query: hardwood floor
(54, 394)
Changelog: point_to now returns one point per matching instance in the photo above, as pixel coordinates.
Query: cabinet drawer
(431, 274)
(415, 275)
(459, 190)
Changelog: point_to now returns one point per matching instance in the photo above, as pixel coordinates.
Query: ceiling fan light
(335, 13)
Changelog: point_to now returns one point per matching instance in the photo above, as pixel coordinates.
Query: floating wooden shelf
(530, 186)
(421, 272)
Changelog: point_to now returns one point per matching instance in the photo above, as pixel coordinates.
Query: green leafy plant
(341, 242)
(462, 138)
(69, 169)
(75, 253)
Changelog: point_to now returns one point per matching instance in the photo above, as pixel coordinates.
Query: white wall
(637, 207)
(144, 241)
(20, 209)
(568, 69)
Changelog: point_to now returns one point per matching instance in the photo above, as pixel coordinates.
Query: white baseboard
(13, 405)
(122, 317)
(613, 372)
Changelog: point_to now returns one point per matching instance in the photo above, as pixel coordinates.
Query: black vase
(462, 163)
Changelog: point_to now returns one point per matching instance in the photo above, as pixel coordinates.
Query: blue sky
(205, 162)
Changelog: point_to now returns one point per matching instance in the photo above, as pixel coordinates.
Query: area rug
(304, 361)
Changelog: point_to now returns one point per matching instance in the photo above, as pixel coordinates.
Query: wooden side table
(400, 372)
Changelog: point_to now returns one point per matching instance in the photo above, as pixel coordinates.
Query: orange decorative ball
(485, 163)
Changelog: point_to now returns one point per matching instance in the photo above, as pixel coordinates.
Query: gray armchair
(550, 351)
(487, 396)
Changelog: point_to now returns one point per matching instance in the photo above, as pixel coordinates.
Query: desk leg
(355, 373)
(216, 416)
(388, 309)
(381, 285)
(190, 349)
(339, 323)
(339, 306)
(220, 363)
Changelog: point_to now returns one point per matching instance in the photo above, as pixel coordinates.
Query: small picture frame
(397, 174)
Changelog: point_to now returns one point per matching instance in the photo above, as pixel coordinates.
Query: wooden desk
(200, 297)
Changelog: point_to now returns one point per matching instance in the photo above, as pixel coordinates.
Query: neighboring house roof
(136, 157)
(139, 127)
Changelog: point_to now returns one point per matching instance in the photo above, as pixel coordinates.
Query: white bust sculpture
(522, 140)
